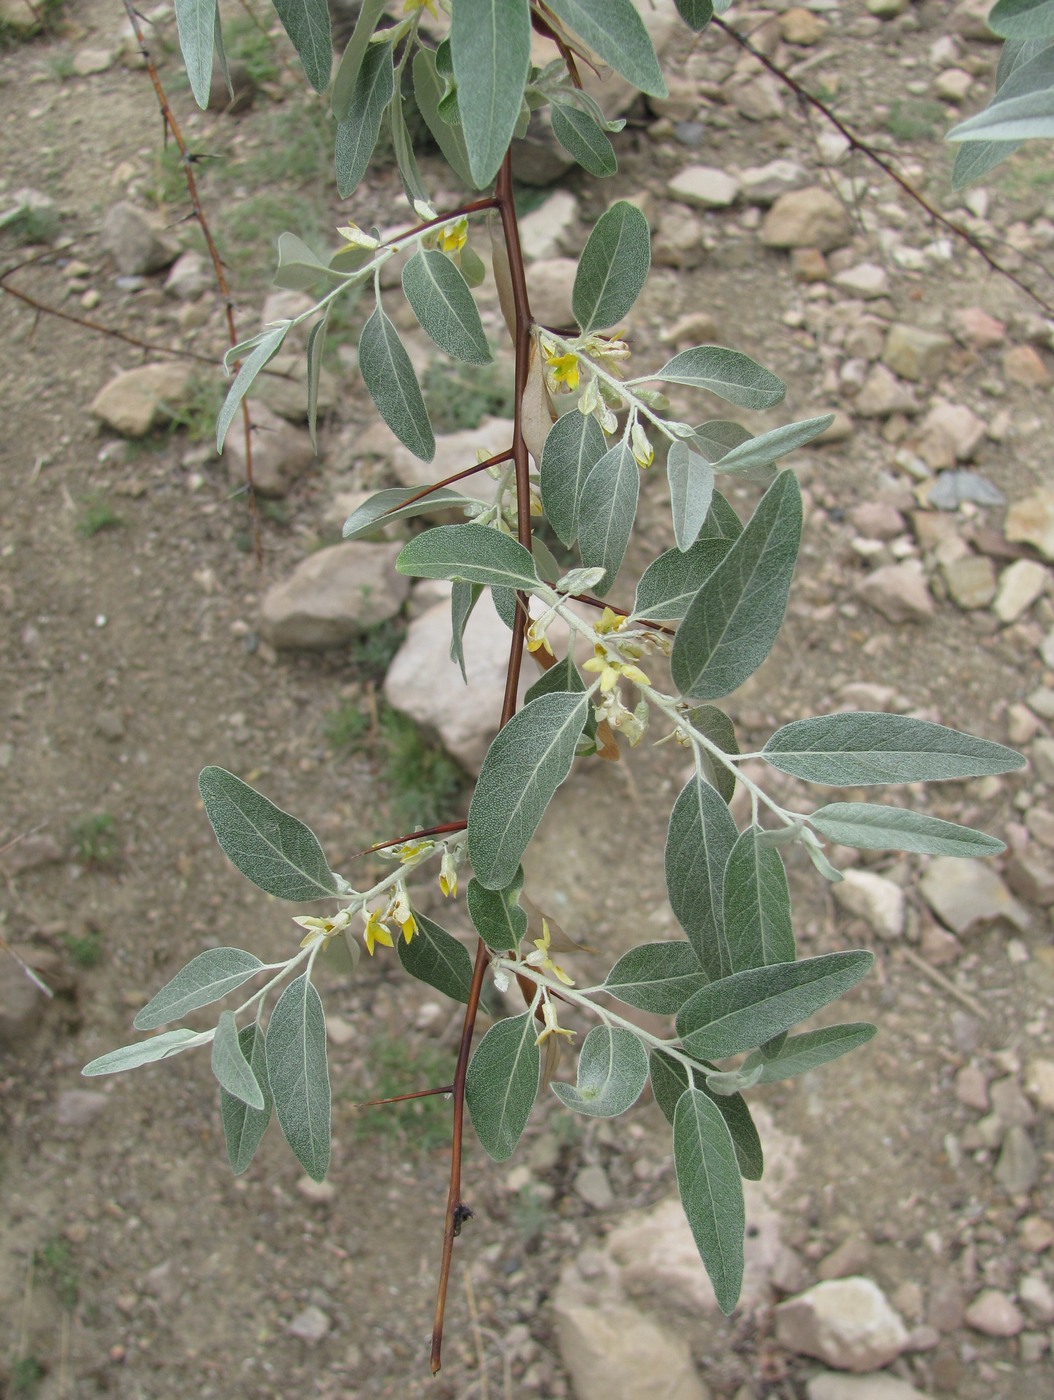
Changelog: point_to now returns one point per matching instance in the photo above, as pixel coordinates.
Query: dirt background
(132, 1264)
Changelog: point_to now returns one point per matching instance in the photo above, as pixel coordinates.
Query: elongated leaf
(145, 1052)
(564, 676)
(502, 1084)
(274, 850)
(505, 605)
(307, 24)
(801, 1053)
(347, 74)
(402, 145)
(974, 159)
(582, 138)
(358, 133)
(711, 1191)
(717, 437)
(267, 346)
(613, 267)
(392, 385)
(474, 553)
(230, 1066)
(316, 344)
(719, 729)
(669, 1079)
(196, 27)
(727, 373)
(722, 523)
(380, 510)
(757, 905)
(769, 447)
(860, 748)
(1022, 19)
(299, 267)
(298, 1073)
(1023, 106)
(244, 1126)
(428, 93)
(691, 490)
(528, 760)
(607, 510)
(871, 826)
(730, 628)
(615, 32)
(436, 957)
(463, 598)
(443, 304)
(657, 977)
(749, 1008)
(573, 447)
(612, 1072)
(205, 979)
(668, 586)
(496, 914)
(696, 14)
(698, 843)
(490, 43)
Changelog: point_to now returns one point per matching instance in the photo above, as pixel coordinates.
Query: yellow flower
(448, 875)
(610, 670)
(399, 910)
(536, 638)
(563, 370)
(542, 959)
(643, 452)
(610, 621)
(454, 237)
(376, 933)
(323, 929)
(410, 6)
(552, 1025)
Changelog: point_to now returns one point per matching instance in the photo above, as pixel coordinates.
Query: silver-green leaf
(801, 1053)
(347, 74)
(473, 553)
(613, 267)
(273, 849)
(298, 1073)
(670, 1078)
(316, 344)
(502, 1084)
(392, 385)
(711, 1192)
(612, 1072)
(729, 374)
(757, 905)
(436, 957)
(428, 92)
(607, 510)
(243, 1126)
(583, 138)
(667, 587)
(308, 26)
(442, 302)
(196, 27)
(528, 760)
(144, 1052)
(230, 1066)
(691, 480)
(614, 30)
(397, 503)
(573, 446)
(358, 132)
(496, 914)
(205, 979)
(463, 598)
(767, 448)
(699, 841)
(657, 977)
(490, 42)
(266, 347)
(872, 826)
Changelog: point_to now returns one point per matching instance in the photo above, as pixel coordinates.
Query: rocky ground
(902, 1241)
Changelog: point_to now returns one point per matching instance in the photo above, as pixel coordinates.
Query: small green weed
(197, 416)
(346, 727)
(61, 67)
(26, 1375)
(95, 839)
(54, 1261)
(97, 515)
(530, 1213)
(422, 782)
(399, 1068)
(251, 44)
(86, 951)
(376, 649)
(916, 119)
(461, 396)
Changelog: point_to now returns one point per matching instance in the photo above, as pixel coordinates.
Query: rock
(1020, 584)
(867, 281)
(809, 265)
(617, 1350)
(971, 1088)
(1037, 1297)
(808, 218)
(937, 945)
(970, 19)
(949, 433)
(953, 84)
(319, 1193)
(757, 99)
(913, 353)
(966, 893)
(977, 329)
(1036, 1234)
(877, 520)
(282, 386)
(333, 596)
(281, 453)
(848, 1258)
(1031, 521)
(971, 581)
(847, 1323)
(87, 62)
(136, 240)
(592, 1186)
(1031, 876)
(1043, 759)
(876, 900)
(678, 240)
(32, 851)
(20, 17)
(31, 215)
(898, 592)
(543, 230)
(887, 9)
(77, 1108)
(466, 719)
(829, 1385)
(1017, 1170)
(454, 452)
(310, 1326)
(1040, 825)
(1023, 364)
(800, 26)
(551, 282)
(1009, 1103)
(1039, 1084)
(994, 1314)
(109, 724)
(190, 275)
(882, 394)
(763, 184)
(704, 187)
(141, 399)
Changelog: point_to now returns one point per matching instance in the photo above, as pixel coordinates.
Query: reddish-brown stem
(402, 1098)
(495, 461)
(522, 345)
(440, 830)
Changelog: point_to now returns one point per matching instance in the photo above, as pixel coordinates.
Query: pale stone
(898, 591)
(801, 26)
(704, 187)
(77, 1108)
(877, 520)
(425, 684)
(971, 582)
(1037, 1297)
(1039, 1084)
(19, 16)
(846, 1323)
(280, 452)
(543, 230)
(334, 595)
(1023, 364)
(1017, 1170)
(1032, 522)
(1031, 876)
(829, 1385)
(953, 85)
(87, 62)
(282, 386)
(190, 275)
(866, 281)
(949, 433)
(1009, 1104)
(1043, 759)
(808, 218)
(763, 184)
(1036, 1234)
(809, 265)
(136, 240)
(141, 399)
(913, 353)
(971, 1088)
(994, 1314)
(551, 282)
(616, 1350)
(1020, 584)
(966, 893)
(882, 394)
(876, 900)
(311, 1325)
(758, 99)
(977, 329)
